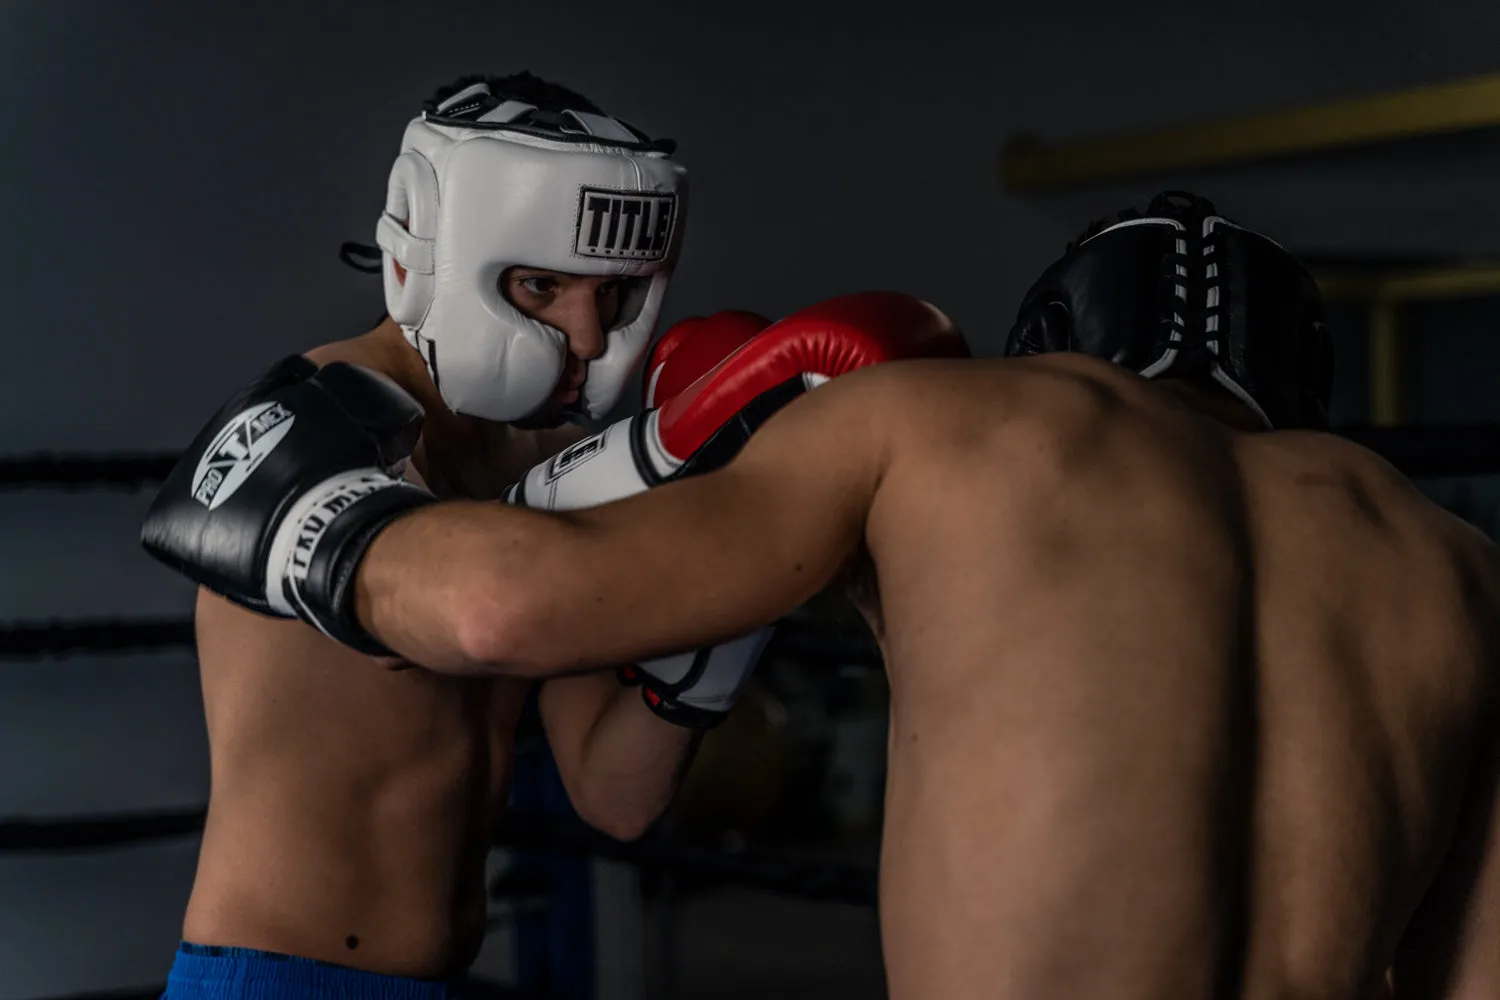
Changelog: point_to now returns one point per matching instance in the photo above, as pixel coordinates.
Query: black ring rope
(22, 836)
(798, 640)
(38, 640)
(518, 830)
(820, 880)
(1430, 451)
(85, 472)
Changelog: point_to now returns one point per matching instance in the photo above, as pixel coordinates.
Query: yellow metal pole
(1456, 106)
(1387, 391)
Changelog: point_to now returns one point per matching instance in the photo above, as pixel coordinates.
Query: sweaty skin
(1179, 708)
(352, 804)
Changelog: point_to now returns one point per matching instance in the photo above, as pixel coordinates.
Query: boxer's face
(583, 307)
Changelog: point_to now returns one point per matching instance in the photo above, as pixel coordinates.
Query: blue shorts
(206, 972)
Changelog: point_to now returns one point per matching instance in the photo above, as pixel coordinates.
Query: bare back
(1177, 710)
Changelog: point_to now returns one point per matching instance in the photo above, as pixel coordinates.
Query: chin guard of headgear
(1179, 289)
(484, 184)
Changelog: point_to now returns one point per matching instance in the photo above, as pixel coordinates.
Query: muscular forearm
(439, 585)
(484, 588)
(469, 587)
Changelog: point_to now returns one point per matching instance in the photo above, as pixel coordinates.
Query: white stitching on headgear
(471, 91)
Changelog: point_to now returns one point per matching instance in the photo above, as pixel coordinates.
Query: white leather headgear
(483, 185)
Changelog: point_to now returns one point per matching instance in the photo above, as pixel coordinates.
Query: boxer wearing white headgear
(484, 184)
(353, 804)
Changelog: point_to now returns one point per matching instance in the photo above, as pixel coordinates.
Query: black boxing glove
(275, 502)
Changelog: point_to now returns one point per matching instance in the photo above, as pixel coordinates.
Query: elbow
(618, 809)
(495, 630)
(618, 820)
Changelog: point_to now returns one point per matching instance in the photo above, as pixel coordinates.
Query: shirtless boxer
(1189, 699)
(351, 807)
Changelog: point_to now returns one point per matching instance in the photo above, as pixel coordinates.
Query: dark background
(177, 178)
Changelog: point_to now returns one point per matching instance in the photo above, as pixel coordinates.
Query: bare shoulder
(223, 628)
(1359, 468)
(900, 396)
(366, 350)
(852, 419)
(1372, 491)
(230, 637)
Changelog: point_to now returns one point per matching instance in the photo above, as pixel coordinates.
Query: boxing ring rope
(85, 472)
(518, 830)
(1419, 451)
(794, 639)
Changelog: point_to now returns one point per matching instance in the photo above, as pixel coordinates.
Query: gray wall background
(178, 177)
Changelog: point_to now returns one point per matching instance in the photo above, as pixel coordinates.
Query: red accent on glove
(691, 349)
(832, 338)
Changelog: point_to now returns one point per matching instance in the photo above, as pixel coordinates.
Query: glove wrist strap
(312, 559)
(680, 714)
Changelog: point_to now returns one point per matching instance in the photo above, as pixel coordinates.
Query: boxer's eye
(538, 284)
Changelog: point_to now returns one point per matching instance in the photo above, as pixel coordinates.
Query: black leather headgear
(1181, 290)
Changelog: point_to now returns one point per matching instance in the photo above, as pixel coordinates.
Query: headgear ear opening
(407, 233)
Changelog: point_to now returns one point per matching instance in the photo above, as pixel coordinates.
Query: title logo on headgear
(624, 225)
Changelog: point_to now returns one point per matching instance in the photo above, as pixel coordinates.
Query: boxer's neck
(1214, 401)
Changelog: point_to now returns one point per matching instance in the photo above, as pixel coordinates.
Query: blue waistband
(207, 972)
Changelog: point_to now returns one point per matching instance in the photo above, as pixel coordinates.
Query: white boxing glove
(694, 689)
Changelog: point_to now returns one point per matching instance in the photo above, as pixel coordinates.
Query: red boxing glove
(692, 348)
(707, 423)
(799, 353)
